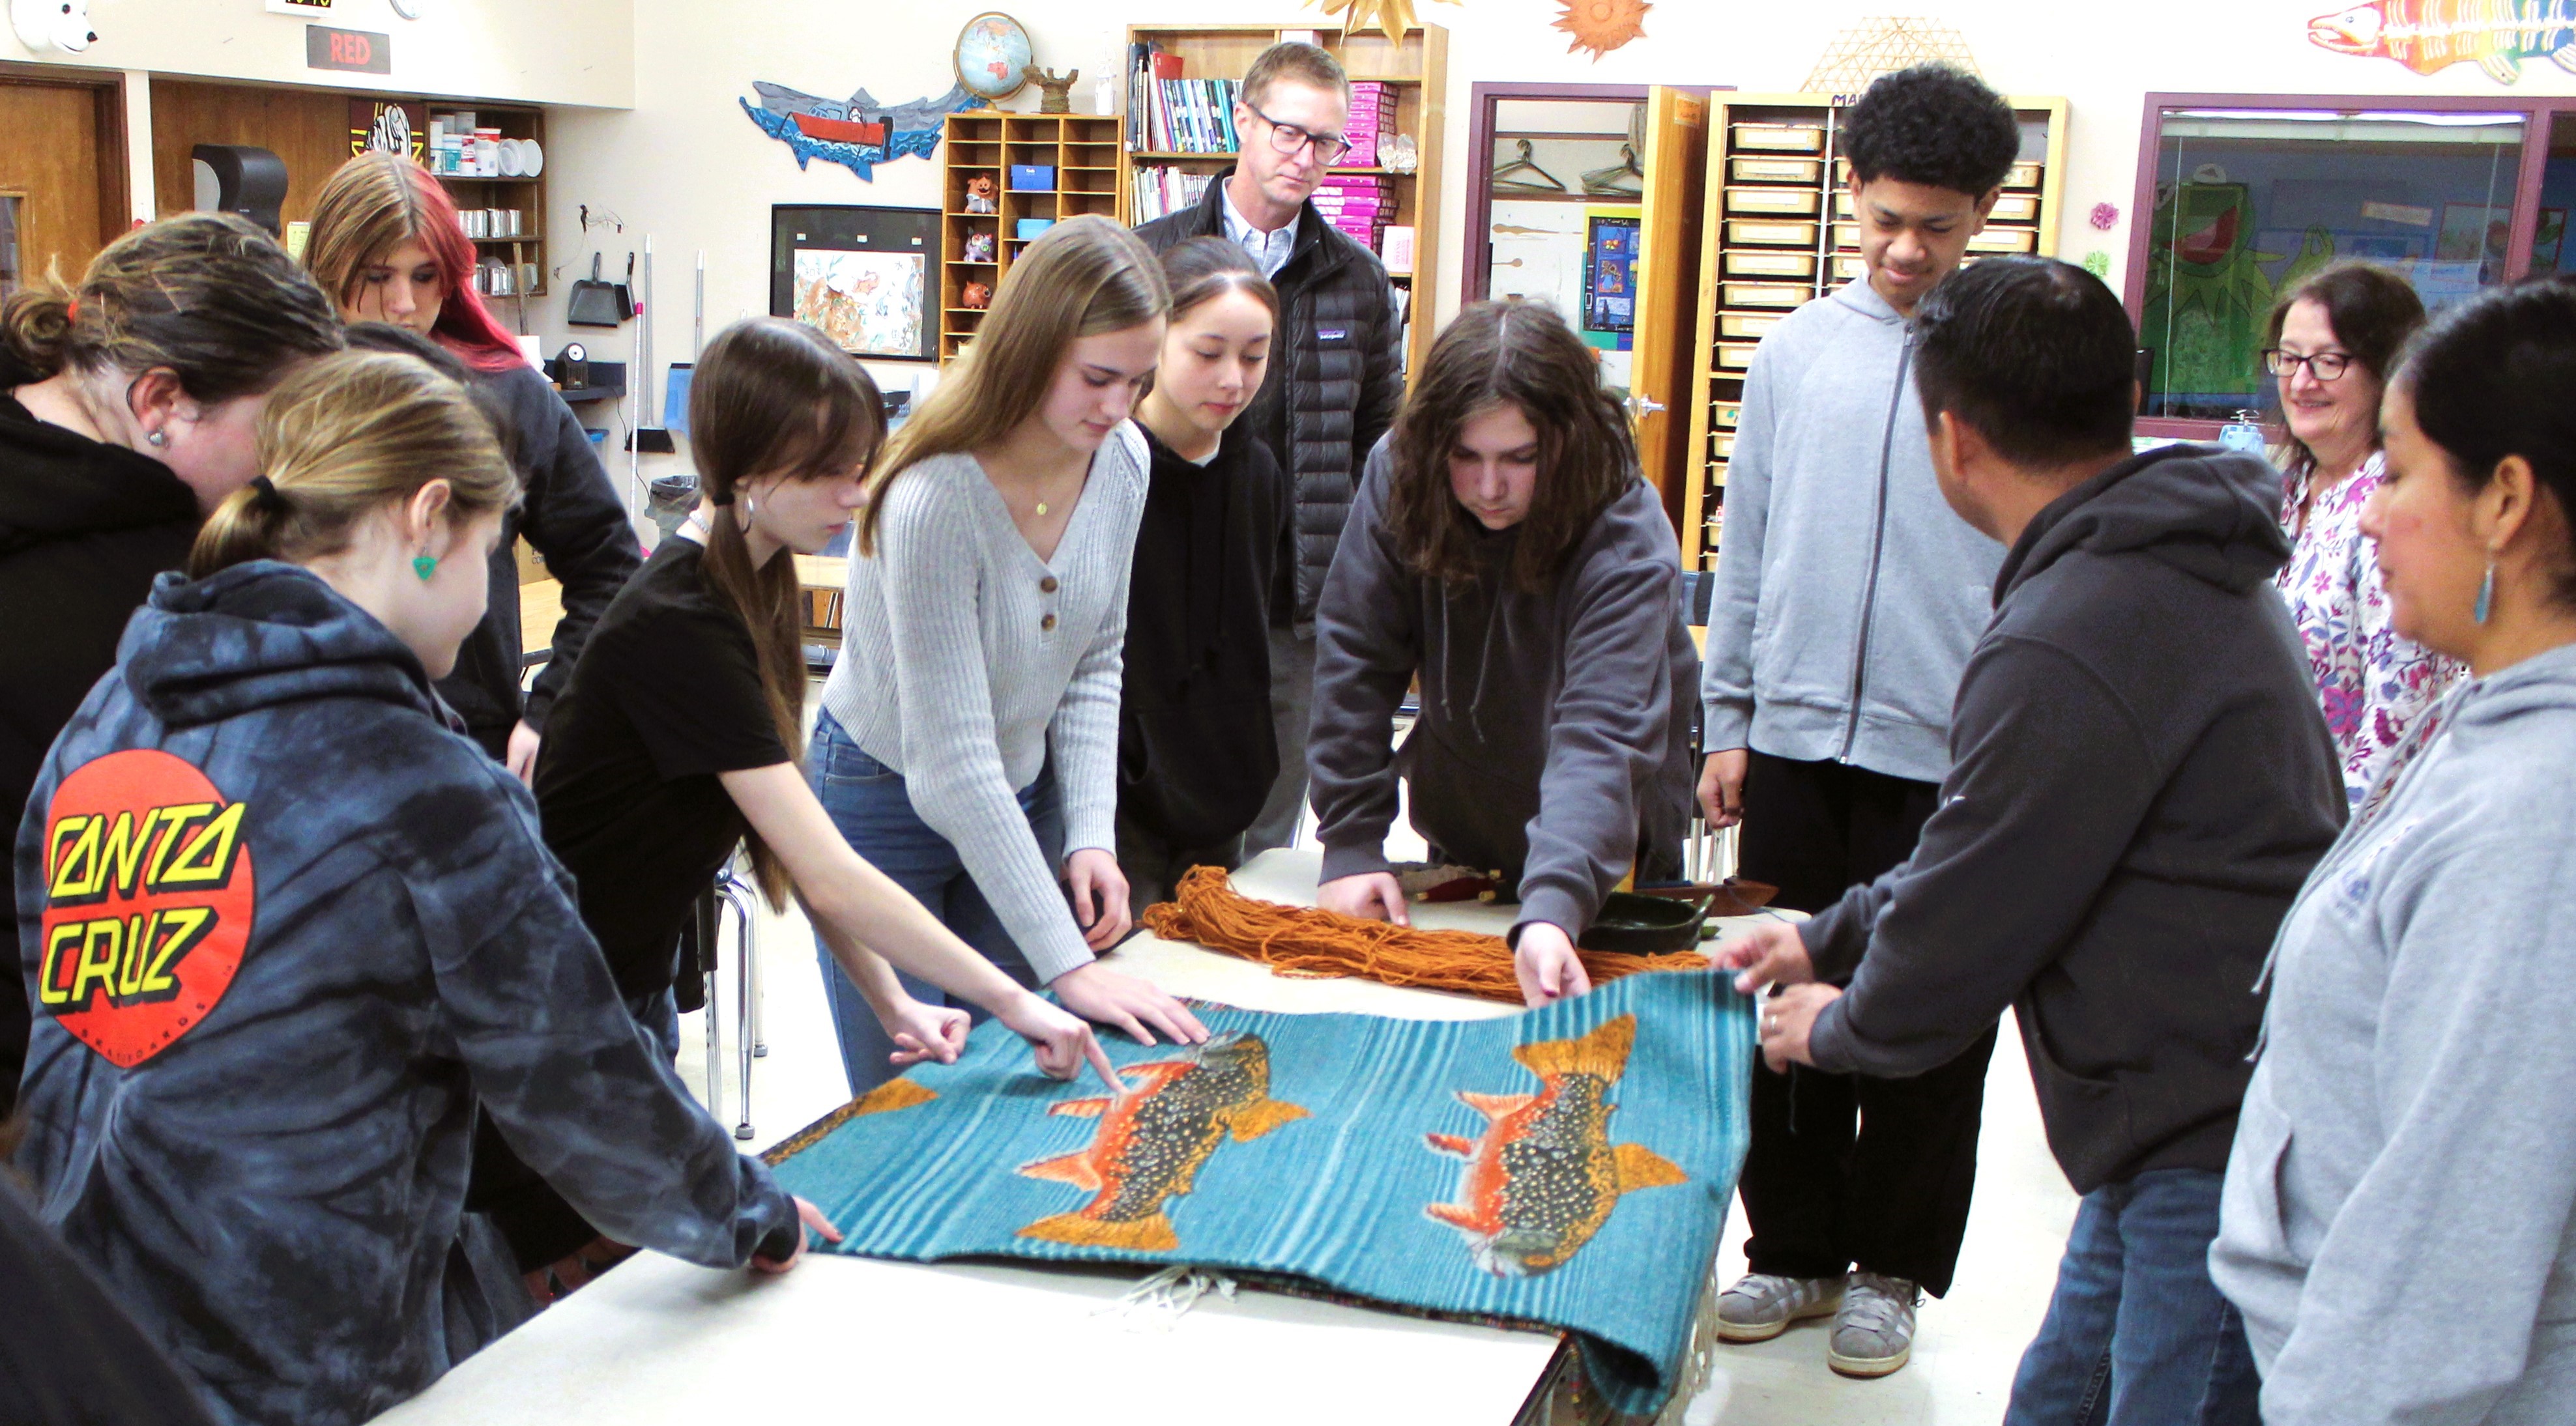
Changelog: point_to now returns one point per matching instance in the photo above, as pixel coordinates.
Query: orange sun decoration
(1602, 25)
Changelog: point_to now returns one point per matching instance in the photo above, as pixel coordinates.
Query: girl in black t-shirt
(677, 736)
(678, 731)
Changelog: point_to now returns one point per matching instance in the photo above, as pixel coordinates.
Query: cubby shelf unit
(1082, 149)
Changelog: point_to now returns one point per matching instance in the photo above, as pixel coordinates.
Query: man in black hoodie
(2139, 783)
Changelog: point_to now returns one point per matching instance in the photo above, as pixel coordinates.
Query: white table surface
(859, 1339)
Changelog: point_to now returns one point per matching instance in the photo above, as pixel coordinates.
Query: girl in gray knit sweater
(968, 742)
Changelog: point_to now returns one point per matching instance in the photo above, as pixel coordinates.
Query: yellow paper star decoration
(1391, 18)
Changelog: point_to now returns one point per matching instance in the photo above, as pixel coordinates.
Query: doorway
(62, 174)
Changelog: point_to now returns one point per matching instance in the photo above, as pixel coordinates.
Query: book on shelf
(1193, 116)
(1158, 189)
(1395, 249)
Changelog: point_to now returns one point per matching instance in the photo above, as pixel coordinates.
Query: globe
(990, 52)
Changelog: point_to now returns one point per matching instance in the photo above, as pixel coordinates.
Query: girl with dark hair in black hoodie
(126, 408)
(1196, 750)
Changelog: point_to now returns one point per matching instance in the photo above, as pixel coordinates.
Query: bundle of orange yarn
(1302, 941)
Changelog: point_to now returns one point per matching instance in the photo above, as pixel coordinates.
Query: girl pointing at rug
(968, 743)
(1504, 547)
(673, 744)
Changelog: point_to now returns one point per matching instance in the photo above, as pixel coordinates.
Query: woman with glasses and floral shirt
(2333, 339)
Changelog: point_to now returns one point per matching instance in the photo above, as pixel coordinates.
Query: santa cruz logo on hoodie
(148, 901)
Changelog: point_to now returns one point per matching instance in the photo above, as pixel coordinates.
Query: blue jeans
(867, 801)
(2137, 1335)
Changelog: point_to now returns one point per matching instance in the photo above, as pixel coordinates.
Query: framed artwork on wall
(866, 276)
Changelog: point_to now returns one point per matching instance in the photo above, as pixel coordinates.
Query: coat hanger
(1624, 178)
(1505, 183)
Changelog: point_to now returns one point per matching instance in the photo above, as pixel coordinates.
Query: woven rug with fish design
(1568, 1167)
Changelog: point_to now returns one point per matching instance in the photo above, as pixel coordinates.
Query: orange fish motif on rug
(1154, 1138)
(1544, 1176)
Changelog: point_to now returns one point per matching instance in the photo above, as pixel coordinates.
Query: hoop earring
(2486, 595)
(748, 509)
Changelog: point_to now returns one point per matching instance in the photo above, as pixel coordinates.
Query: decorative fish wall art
(1325, 1152)
(2430, 35)
(858, 133)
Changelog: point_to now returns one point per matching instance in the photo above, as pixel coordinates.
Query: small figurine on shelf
(977, 296)
(1058, 98)
(979, 247)
(979, 193)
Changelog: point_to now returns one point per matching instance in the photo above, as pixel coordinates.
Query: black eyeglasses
(2324, 366)
(1288, 138)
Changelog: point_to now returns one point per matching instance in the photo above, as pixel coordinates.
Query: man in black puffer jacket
(1335, 373)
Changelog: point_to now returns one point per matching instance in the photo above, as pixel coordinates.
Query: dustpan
(595, 303)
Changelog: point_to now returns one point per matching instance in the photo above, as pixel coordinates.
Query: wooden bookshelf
(1415, 70)
(1083, 151)
(1779, 232)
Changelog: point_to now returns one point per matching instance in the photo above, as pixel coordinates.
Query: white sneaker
(1760, 1306)
(1874, 1335)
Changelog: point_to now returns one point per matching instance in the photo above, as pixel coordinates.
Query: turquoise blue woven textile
(1569, 1166)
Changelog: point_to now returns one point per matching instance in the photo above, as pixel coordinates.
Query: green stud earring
(424, 566)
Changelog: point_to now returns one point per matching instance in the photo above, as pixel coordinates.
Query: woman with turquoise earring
(2415, 1047)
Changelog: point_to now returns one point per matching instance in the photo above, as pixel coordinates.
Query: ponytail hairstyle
(773, 397)
(345, 437)
(1083, 277)
(375, 203)
(1519, 354)
(205, 296)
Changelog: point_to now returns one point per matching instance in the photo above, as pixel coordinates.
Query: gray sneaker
(1760, 1306)
(1874, 1335)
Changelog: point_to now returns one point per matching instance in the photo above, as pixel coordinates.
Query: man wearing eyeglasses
(1335, 371)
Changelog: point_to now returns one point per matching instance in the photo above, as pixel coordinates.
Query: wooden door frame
(115, 176)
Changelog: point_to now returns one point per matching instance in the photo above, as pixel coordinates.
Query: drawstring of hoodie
(2382, 793)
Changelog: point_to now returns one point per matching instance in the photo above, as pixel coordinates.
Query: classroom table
(540, 609)
(858, 1339)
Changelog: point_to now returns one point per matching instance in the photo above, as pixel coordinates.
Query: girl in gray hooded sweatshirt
(1503, 547)
(2399, 1219)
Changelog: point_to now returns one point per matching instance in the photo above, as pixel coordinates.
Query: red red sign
(148, 902)
(358, 51)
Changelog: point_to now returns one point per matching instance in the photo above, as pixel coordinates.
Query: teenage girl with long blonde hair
(969, 736)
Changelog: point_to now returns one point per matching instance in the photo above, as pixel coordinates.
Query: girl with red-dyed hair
(387, 246)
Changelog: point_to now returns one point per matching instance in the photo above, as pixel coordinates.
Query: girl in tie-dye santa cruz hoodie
(283, 927)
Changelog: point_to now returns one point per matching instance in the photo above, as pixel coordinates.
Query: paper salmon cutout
(2429, 35)
(1543, 1177)
(1153, 1140)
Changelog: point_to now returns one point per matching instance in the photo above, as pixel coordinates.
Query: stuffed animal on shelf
(977, 296)
(1058, 98)
(979, 247)
(979, 193)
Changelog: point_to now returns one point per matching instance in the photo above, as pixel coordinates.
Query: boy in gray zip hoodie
(1848, 596)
